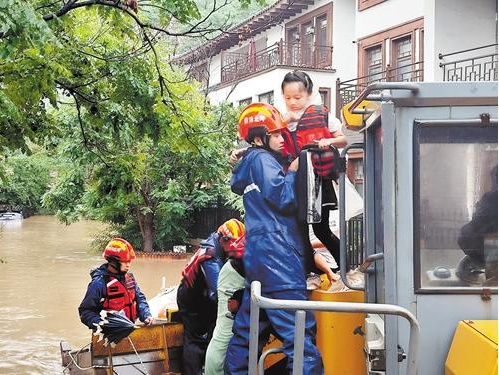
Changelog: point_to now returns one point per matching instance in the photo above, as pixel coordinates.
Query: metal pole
(342, 218)
(261, 361)
(347, 307)
(299, 342)
(383, 86)
(256, 289)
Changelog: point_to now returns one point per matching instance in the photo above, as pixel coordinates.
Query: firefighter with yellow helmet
(230, 281)
(197, 292)
(113, 287)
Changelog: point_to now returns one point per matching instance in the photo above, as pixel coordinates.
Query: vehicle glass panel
(455, 207)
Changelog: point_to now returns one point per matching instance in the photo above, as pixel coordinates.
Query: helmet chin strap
(116, 264)
(264, 142)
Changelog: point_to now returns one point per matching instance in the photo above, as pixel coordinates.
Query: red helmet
(260, 115)
(118, 248)
(232, 232)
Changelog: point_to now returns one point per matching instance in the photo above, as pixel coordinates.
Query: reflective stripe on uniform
(251, 187)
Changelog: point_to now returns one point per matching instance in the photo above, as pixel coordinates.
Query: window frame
(299, 45)
(245, 101)
(325, 92)
(417, 237)
(364, 4)
(385, 38)
(264, 94)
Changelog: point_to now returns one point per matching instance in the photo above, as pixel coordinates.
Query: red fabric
(192, 268)
(236, 247)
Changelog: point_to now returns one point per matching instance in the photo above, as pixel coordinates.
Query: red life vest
(192, 268)
(121, 297)
(312, 126)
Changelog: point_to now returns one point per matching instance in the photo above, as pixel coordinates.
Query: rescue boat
(153, 349)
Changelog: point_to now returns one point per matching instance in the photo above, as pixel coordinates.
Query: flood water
(44, 272)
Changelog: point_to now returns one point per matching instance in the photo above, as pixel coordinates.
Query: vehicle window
(455, 207)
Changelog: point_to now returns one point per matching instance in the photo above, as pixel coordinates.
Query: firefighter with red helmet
(113, 287)
(197, 293)
(274, 251)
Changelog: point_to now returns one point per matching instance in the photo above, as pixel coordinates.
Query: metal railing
(355, 241)
(474, 64)
(258, 302)
(346, 91)
(238, 65)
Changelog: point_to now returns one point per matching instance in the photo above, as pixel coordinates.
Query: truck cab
(430, 214)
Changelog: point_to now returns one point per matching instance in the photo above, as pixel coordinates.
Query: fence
(355, 241)
(208, 219)
(474, 64)
(238, 65)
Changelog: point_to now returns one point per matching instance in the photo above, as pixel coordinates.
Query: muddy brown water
(44, 272)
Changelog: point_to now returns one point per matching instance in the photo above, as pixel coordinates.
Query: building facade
(345, 45)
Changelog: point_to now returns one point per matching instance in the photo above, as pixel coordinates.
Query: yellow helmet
(231, 229)
(232, 232)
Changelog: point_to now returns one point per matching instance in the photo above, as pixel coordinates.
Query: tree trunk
(148, 232)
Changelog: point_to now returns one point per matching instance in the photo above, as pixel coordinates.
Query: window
(323, 52)
(359, 172)
(308, 39)
(455, 218)
(358, 175)
(293, 46)
(325, 94)
(307, 42)
(267, 97)
(375, 63)
(245, 102)
(391, 55)
(402, 59)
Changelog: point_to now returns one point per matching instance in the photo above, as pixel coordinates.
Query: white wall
(215, 70)
(345, 49)
(457, 25)
(430, 71)
(387, 15)
(251, 87)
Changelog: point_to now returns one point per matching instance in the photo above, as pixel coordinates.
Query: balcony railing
(475, 64)
(347, 91)
(239, 65)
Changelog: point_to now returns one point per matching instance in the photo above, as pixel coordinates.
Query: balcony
(347, 91)
(475, 64)
(236, 66)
